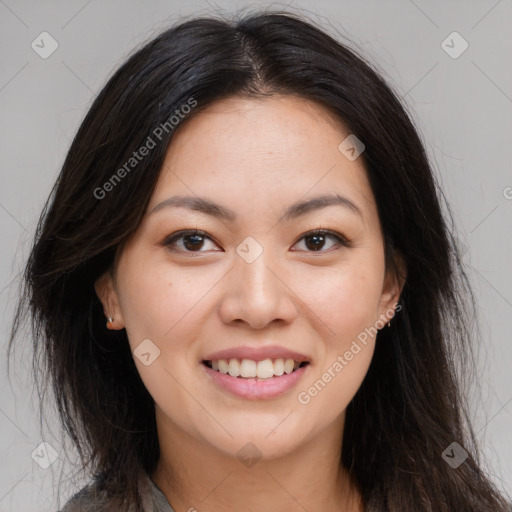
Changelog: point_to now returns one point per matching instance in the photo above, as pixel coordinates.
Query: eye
(317, 239)
(193, 240)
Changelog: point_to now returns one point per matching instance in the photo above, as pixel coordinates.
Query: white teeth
(223, 366)
(288, 366)
(278, 367)
(248, 368)
(234, 368)
(265, 369)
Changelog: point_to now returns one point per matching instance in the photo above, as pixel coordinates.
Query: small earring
(109, 320)
(389, 323)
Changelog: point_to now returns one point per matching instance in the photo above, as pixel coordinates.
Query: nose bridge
(255, 292)
(253, 272)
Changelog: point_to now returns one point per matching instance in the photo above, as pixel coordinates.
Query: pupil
(196, 244)
(317, 237)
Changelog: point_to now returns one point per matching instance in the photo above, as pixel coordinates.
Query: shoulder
(92, 498)
(89, 498)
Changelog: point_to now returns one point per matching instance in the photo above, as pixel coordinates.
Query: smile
(254, 380)
(250, 369)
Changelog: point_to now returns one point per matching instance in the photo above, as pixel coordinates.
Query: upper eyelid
(322, 231)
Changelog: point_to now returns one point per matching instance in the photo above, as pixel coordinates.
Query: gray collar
(91, 499)
(159, 502)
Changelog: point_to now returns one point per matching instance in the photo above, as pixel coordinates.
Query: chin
(267, 439)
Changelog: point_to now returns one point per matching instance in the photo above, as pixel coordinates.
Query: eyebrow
(295, 210)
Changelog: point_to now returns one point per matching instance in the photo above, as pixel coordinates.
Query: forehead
(262, 152)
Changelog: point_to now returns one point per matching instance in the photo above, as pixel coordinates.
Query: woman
(244, 289)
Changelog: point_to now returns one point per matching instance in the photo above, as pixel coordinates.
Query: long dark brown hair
(410, 407)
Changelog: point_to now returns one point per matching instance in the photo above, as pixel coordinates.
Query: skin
(254, 157)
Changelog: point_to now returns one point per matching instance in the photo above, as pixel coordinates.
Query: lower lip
(254, 389)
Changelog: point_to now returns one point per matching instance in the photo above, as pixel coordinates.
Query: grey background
(462, 107)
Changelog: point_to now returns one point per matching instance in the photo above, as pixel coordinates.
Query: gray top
(88, 499)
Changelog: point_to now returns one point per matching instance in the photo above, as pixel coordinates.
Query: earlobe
(394, 282)
(105, 290)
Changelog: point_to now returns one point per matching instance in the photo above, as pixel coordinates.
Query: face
(258, 286)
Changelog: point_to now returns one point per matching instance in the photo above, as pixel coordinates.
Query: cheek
(333, 387)
(351, 308)
(159, 306)
(157, 300)
(346, 299)
(345, 361)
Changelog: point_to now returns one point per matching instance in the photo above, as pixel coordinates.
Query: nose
(257, 294)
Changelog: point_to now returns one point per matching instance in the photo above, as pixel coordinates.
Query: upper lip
(257, 353)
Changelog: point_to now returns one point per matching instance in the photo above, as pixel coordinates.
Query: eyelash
(343, 241)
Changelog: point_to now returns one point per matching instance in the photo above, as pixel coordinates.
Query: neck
(196, 476)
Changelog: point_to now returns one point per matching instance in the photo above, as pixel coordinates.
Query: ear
(106, 292)
(394, 281)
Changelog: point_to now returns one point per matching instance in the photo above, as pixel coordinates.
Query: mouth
(245, 369)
